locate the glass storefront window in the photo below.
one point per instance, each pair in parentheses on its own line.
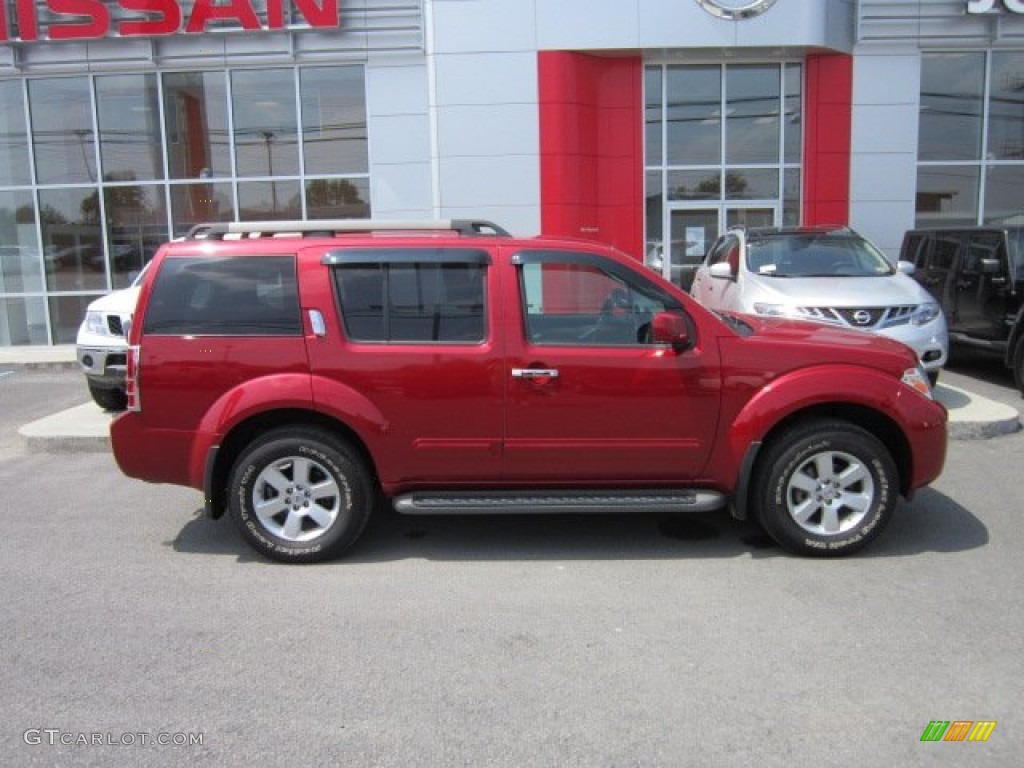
(1003,204)
(334,120)
(947,195)
(652,115)
(22,321)
(21,268)
(337,198)
(791,198)
(14,166)
(266,126)
(193,204)
(196,111)
(262,200)
(128,111)
(792,115)
(693,115)
(1006,107)
(752,126)
(63,138)
(136,226)
(695,185)
(952,96)
(66,313)
(72,239)
(751,184)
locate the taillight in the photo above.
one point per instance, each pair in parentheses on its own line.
(132,379)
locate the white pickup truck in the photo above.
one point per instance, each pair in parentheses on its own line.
(103,347)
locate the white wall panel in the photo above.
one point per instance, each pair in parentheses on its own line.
(475,26)
(493,130)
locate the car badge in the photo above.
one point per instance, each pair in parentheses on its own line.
(862,317)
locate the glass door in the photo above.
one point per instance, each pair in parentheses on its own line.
(692,231)
(751,216)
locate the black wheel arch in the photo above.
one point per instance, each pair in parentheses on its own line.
(222,457)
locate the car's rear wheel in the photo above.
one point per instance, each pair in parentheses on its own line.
(114,399)
(299,495)
(825,488)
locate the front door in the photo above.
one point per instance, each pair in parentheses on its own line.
(982,286)
(591,399)
(692,232)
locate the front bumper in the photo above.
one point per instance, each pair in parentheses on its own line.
(104,366)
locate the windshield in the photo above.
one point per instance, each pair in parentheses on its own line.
(815,254)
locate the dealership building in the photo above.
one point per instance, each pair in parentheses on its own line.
(651,125)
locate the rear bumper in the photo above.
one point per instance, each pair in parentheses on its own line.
(131,443)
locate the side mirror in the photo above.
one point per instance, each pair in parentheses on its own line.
(721,270)
(670,328)
(906,267)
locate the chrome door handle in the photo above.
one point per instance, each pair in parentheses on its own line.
(534,373)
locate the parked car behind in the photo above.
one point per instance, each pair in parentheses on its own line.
(976,274)
(833,276)
(102,345)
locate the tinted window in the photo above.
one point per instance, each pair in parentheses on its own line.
(982,246)
(943,251)
(240,296)
(412,302)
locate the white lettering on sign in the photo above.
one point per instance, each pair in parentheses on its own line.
(987,6)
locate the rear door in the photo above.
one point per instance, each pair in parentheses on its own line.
(407,350)
(591,398)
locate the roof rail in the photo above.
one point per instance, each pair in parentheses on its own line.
(216,230)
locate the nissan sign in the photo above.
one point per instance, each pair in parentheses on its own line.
(90,19)
(735,9)
(986,6)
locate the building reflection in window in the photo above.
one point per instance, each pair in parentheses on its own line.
(128,109)
(196,112)
(72,239)
(136,226)
(266,127)
(63,138)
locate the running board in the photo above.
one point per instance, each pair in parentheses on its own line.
(553,502)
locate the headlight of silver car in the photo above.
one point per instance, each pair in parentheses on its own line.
(925,314)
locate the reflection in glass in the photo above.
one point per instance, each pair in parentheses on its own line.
(20,266)
(193,204)
(751,184)
(947,195)
(337,199)
(66,313)
(23,321)
(752,106)
(13,136)
(129,120)
(259,200)
(793,117)
(951,106)
(195,109)
(1006,107)
(1004,203)
(695,185)
(334,120)
(652,115)
(136,226)
(693,115)
(652,211)
(791,197)
(266,129)
(62,135)
(72,239)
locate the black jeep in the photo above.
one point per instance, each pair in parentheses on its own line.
(977,275)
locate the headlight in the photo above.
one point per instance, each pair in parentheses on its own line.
(925,314)
(94,322)
(916,378)
(773,310)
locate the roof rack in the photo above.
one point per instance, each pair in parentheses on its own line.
(216,230)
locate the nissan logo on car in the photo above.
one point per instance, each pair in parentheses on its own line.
(735,9)
(862,317)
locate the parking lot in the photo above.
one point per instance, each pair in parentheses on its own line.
(569,641)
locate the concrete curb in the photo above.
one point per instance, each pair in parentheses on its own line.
(972,417)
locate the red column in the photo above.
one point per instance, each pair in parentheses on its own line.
(829,110)
(591,141)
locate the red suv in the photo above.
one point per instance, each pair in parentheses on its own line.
(297,372)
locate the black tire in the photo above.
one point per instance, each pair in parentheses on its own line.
(317,495)
(825,488)
(108,399)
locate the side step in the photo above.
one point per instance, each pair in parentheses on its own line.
(552,502)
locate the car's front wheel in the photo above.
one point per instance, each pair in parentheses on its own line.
(298,495)
(825,488)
